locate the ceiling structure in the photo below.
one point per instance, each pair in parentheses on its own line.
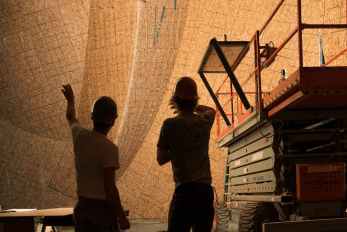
(133,51)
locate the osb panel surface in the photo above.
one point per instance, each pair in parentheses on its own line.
(109,56)
(119,48)
(42,46)
(28,164)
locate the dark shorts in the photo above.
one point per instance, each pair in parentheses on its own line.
(93,215)
(191,207)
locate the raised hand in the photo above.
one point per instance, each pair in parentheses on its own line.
(68,93)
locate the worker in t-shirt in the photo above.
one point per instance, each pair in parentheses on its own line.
(184,141)
(96,159)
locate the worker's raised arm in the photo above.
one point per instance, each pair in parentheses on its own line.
(203,109)
(70,109)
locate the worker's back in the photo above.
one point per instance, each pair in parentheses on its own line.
(93,152)
(187,139)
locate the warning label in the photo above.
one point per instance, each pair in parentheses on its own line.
(257,156)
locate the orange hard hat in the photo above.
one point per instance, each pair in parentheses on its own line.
(104,110)
(186,88)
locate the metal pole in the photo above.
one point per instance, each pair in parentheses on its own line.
(203,78)
(301,62)
(217,118)
(230,73)
(334,58)
(272,15)
(259,72)
(231,103)
(261,30)
(313,26)
(237,102)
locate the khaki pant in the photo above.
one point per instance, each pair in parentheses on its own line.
(94,215)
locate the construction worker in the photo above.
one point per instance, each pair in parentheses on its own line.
(184,141)
(96,160)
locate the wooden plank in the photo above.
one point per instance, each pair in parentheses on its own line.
(320,225)
(40,213)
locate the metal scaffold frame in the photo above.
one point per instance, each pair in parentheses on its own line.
(243,116)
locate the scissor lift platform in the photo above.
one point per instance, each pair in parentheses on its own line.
(307,89)
(287,151)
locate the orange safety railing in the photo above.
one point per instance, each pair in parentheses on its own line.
(259,95)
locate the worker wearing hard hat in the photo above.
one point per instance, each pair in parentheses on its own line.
(184,141)
(96,160)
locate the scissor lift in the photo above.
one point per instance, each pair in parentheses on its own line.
(286,153)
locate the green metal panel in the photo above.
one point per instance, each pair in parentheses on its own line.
(252,168)
(254,178)
(255,135)
(252,158)
(253,147)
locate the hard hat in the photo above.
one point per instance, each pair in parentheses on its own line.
(186,88)
(104,110)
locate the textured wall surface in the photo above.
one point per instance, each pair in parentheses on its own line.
(133,51)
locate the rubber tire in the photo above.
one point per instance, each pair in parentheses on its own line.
(254,215)
(221,217)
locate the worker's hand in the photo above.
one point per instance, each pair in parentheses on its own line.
(172,105)
(124,223)
(68,93)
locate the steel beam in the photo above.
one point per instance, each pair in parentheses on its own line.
(203,78)
(328,26)
(230,73)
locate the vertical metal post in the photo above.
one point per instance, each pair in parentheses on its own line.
(237,105)
(301,63)
(259,72)
(256,58)
(217,118)
(226,181)
(232,102)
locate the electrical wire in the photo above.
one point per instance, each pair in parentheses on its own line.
(259,127)
(216,194)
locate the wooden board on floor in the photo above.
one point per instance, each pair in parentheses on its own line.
(320,225)
(40,213)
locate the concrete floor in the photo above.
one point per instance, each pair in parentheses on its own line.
(136,225)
